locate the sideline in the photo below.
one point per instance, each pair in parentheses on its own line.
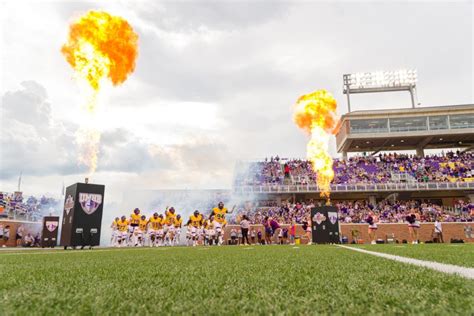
(60,250)
(442,267)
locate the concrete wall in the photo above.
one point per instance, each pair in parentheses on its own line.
(30,227)
(400,231)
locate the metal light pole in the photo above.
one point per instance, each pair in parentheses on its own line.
(380,81)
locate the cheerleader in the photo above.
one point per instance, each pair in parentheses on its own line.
(413,226)
(372,221)
(307,228)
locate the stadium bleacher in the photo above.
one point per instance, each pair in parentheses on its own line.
(14,206)
(382,168)
(357,211)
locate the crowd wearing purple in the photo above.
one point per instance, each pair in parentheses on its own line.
(445,167)
(358,212)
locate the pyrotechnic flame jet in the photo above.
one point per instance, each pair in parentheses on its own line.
(315,113)
(100,46)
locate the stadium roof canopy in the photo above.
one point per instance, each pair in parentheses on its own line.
(450,126)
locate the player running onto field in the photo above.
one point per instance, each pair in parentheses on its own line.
(177,229)
(140,232)
(122,227)
(134,221)
(194,224)
(219,213)
(153,226)
(113,237)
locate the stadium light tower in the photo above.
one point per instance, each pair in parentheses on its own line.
(380,81)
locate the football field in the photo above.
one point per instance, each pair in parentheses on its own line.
(234,280)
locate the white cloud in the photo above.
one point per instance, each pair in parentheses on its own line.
(215,81)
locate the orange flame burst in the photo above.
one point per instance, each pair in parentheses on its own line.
(100,46)
(315,113)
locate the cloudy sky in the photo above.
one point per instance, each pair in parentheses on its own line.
(214,82)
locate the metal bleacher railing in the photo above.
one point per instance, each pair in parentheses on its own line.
(395,186)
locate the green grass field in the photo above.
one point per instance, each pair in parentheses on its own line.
(457,254)
(225,280)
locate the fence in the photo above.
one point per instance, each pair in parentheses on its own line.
(387,187)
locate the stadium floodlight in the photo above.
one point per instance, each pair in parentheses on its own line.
(380,81)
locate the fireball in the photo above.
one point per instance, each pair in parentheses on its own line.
(100,46)
(315,113)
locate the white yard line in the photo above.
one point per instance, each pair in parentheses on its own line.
(442,267)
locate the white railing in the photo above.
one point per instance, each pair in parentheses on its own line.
(417,186)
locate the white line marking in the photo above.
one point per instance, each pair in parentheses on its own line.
(442,267)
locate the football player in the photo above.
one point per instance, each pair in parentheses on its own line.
(170,215)
(219,213)
(141,231)
(194,223)
(211,231)
(134,221)
(219,235)
(122,227)
(177,227)
(154,223)
(170,235)
(160,233)
(113,237)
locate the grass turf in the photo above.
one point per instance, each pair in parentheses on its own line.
(225,280)
(457,254)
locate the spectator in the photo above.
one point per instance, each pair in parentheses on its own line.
(233,237)
(19,235)
(28,240)
(244,227)
(252,236)
(293,232)
(438,231)
(6,235)
(284,239)
(275,226)
(307,229)
(268,230)
(384,168)
(259,237)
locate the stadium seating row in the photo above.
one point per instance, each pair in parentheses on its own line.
(384,168)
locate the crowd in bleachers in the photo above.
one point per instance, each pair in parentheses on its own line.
(358,211)
(14,206)
(382,168)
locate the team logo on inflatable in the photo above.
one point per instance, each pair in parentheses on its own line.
(51,225)
(318,218)
(90,202)
(69,204)
(332,217)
